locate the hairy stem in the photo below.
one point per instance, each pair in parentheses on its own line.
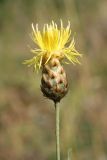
(57,109)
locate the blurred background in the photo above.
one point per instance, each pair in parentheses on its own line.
(27,119)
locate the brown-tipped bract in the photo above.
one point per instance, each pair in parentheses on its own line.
(54,83)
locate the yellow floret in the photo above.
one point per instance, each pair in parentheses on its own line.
(51,42)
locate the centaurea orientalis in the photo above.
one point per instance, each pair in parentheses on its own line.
(53,46)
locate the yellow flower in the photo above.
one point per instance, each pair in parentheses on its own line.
(52,42)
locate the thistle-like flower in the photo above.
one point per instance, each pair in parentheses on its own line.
(53,46)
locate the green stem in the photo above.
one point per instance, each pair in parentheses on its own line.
(57,109)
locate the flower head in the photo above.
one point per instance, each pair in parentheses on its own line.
(52,42)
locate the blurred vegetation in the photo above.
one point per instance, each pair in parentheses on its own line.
(26,117)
